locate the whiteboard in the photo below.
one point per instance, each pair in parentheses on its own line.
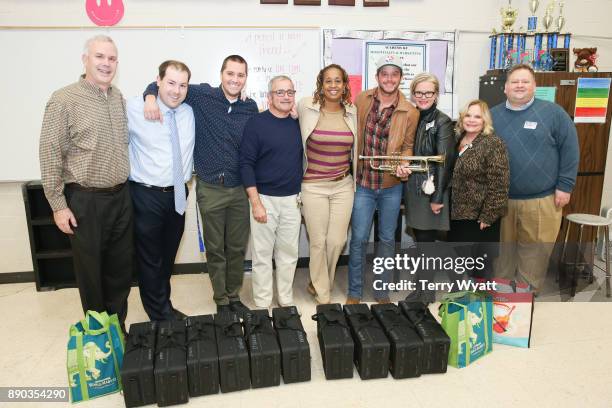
(38,62)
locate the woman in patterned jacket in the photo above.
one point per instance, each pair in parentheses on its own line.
(479,185)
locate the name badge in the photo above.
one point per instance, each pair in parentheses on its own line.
(430,125)
(530,125)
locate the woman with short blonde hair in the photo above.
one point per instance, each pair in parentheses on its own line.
(486,117)
(426,195)
(480,183)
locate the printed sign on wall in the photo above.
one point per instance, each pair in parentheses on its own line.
(592,100)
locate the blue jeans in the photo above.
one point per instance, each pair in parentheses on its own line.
(387,201)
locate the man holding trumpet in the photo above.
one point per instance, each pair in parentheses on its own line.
(386,124)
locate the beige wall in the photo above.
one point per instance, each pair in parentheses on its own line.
(473,19)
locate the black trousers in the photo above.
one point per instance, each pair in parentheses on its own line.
(425,235)
(102,247)
(158,229)
(425,241)
(483,243)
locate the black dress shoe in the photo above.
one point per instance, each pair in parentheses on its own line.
(223,308)
(178,315)
(239,307)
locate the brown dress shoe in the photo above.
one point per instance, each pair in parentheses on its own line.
(352,301)
(310,289)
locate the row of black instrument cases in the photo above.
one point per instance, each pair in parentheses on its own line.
(167,362)
(404,339)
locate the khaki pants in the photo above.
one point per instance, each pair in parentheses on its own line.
(528,234)
(327,209)
(278,237)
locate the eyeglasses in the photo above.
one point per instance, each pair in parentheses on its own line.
(419,94)
(283,92)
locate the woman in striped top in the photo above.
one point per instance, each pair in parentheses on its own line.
(328,123)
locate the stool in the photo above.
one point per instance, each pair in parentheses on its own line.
(588,220)
(607,213)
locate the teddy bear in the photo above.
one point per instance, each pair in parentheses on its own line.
(585,59)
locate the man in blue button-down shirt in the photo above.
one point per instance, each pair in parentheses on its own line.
(220,116)
(158,166)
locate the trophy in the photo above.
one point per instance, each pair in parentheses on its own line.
(560,24)
(506,36)
(509,46)
(532,21)
(508,15)
(560,19)
(548,18)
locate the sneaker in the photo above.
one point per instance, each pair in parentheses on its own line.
(239,307)
(352,301)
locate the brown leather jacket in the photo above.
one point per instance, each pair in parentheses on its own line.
(404,121)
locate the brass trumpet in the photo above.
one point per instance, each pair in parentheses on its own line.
(391,162)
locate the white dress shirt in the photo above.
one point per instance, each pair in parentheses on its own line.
(150,146)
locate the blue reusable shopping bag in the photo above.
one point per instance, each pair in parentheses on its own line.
(95,355)
(467,320)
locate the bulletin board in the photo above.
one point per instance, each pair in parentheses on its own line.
(356,51)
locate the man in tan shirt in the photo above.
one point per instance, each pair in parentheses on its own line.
(84,166)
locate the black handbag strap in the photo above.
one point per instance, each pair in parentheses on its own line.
(232,329)
(396,319)
(417,313)
(255,324)
(421,317)
(168,338)
(290,322)
(138,341)
(330,318)
(196,331)
(364,321)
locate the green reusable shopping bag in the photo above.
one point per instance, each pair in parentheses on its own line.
(95,355)
(467,320)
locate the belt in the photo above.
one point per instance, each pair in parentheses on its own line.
(112,189)
(340,177)
(168,189)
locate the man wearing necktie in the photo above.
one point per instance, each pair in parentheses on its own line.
(220,116)
(161,163)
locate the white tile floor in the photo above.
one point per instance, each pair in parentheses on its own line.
(568,365)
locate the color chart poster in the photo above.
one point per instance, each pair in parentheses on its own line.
(592,100)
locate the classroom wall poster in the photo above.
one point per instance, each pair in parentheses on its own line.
(592,100)
(414,56)
(546,93)
(355,86)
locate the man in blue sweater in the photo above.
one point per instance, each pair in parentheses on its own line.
(271,169)
(543,151)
